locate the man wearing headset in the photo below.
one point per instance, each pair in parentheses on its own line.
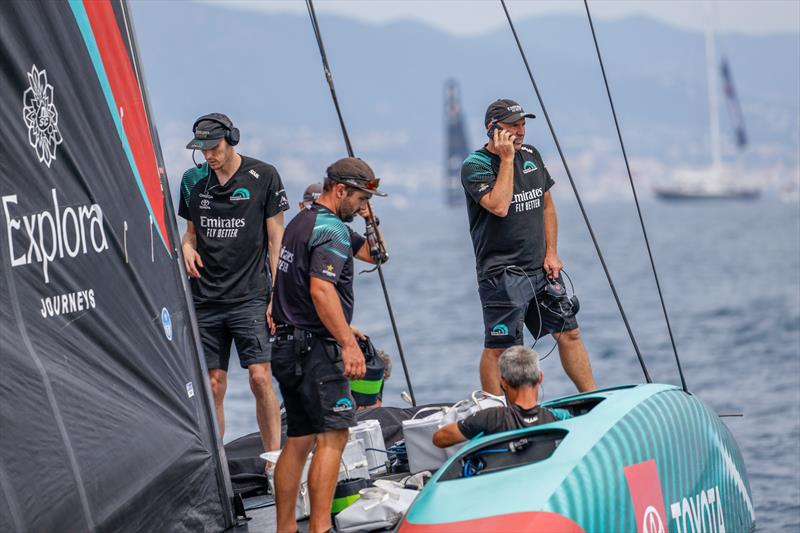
(520,377)
(233,206)
(514,229)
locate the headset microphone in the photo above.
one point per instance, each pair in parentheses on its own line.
(198,165)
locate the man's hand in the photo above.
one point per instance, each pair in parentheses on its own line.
(191,260)
(364,211)
(270,322)
(552,265)
(504,143)
(357,333)
(354,365)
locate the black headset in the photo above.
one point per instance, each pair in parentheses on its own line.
(231,132)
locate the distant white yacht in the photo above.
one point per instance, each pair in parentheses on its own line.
(717,181)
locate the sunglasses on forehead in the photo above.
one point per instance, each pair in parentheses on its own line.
(370,185)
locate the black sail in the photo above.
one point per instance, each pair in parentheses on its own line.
(105,419)
(457,148)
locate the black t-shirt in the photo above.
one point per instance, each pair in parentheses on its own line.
(517,239)
(230,223)
(316,243)
(499,419)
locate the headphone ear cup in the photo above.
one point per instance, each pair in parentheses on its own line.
(233,136)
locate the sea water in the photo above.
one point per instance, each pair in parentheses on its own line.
(730,273)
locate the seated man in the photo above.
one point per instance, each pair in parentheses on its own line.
(520,377)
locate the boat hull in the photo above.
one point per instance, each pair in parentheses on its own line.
(683,196)
(648,458)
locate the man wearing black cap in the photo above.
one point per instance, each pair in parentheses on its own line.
(310,195)
(233,205)
(514,229)
(315,350)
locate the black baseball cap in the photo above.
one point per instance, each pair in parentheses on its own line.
(209,130)
(505,110)
(355,173)
(312,192)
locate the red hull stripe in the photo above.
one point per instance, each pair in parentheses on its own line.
(130,105)
(528,522)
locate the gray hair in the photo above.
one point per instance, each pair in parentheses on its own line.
(519,365)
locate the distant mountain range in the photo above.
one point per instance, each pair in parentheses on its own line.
(265,72)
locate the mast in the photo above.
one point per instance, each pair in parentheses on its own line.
(713,90)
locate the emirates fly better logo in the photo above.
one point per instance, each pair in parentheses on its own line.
(41,116)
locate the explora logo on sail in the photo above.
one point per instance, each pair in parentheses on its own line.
(49,235)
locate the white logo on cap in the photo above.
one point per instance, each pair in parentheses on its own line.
(41,116)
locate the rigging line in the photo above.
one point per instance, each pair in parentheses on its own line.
(635,197)
(318,35)
(578,198)
(328,75)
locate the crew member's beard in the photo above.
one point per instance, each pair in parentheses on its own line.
(346,213)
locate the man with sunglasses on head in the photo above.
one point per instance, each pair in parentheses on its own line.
(514,229)
(233,206)
(315,350)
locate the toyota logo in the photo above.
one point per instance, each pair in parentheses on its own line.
(652,523)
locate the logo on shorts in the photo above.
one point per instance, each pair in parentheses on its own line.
(240,194)
(528,166)
(499,330)
(343,404)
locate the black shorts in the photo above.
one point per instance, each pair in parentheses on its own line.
(243,323)
(511,299)
(315,391)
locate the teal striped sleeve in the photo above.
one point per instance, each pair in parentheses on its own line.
(329,247)
(190,178)
(477,175)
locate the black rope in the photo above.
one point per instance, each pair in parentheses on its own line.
(577,197)
(315,24)
(635,197)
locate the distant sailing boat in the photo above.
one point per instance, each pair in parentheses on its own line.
(717,181)
(457,148)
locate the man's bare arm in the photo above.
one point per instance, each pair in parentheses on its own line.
(448,435)
(191,258)
(498,200)
(552,263)
(274,236)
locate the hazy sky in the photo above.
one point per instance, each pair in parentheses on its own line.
(468,17)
